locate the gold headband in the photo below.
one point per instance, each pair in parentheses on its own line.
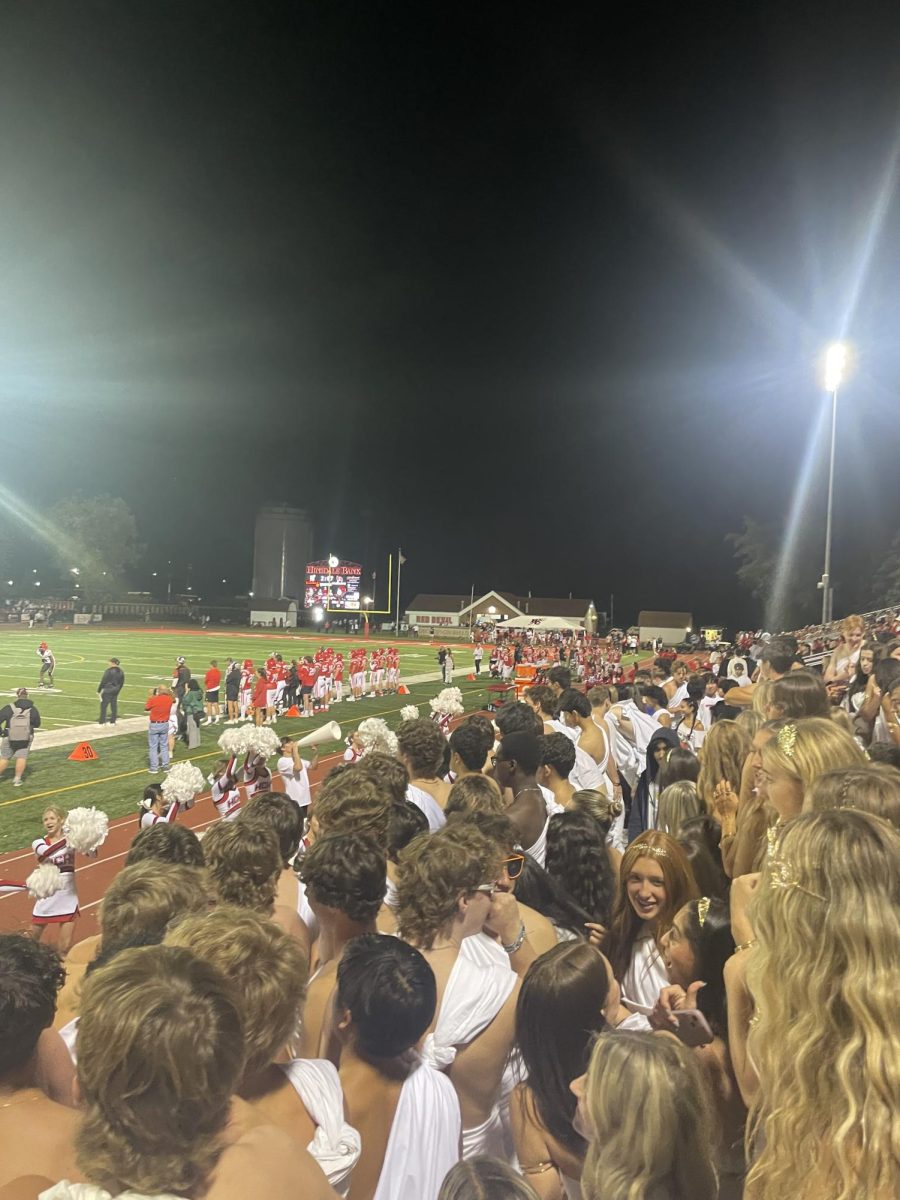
(786,739)
(702,909)
(783,875)
(656,851)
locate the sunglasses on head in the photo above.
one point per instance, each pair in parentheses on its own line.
(487,889)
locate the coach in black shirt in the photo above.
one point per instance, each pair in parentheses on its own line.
(110,685)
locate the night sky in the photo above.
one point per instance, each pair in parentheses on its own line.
(537,294)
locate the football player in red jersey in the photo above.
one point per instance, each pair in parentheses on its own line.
(308,674)
(248,675)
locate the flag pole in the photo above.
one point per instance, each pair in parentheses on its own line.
(399,565)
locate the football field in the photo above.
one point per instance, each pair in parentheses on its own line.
(148,657)
(115,779)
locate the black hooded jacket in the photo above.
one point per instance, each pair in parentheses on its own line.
(637,818)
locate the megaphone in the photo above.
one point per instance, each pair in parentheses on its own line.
(329,732)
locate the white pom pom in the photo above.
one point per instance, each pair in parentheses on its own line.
(44,881)
(448,703)
(409,712)
(232,740)
(376,737)
(183,783)
(262,740)
(246,739)
(85,829)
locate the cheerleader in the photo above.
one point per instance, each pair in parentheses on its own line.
(355,748)
(225,794)
(154,807)
(62,907)
(257,776)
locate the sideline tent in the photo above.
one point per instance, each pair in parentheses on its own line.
(543,623)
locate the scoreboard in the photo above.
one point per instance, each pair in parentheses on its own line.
(333,583)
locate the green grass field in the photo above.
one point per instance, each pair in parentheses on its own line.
(115,780)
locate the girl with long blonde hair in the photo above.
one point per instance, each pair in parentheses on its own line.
(802,751)
(874,788)
(644,1108)
(722,756)
(61,909)
(826,984)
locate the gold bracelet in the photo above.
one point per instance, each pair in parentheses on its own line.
(746,945)
(538,1168)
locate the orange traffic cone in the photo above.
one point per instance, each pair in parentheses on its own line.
(293,711)
(470,678)
(402,690)
(83,752)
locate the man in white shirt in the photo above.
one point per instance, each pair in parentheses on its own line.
(294,771)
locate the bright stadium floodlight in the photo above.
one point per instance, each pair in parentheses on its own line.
(835,368)
(10,582)
(37,583)
(835,365)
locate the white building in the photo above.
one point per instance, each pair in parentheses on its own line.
(452,611)
(274,613)
(672,627)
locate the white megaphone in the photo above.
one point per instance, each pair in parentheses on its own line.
(329,732)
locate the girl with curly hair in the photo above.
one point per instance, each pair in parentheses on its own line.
(825,983)
(577,859)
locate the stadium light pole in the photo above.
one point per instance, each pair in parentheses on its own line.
(835,365)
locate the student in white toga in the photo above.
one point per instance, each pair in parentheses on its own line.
(446,894)
(268,971)
(406,1112)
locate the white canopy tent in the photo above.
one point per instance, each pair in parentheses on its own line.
(541,623)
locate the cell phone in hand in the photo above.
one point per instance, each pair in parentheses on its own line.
(693,1028)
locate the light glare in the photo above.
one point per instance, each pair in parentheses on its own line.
(835,364)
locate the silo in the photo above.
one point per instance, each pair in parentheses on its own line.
(282,546)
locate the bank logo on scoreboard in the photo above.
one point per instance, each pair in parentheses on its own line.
(333,583)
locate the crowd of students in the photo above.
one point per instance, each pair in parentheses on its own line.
(636,944)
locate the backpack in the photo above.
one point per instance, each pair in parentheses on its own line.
(19,728)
